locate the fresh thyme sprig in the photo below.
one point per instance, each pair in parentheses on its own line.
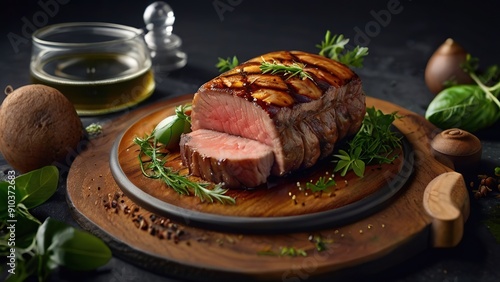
(322,184)
(287,70)
(227,64)
(152,161)
(374,143)
(334,47)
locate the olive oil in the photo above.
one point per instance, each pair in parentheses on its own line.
(97,83)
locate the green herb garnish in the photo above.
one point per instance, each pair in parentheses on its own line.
(471,66)
(93,129)
(287,70)
(319,242)
(334,47)
(152,161)
(292,252)
(227,64)
(284,251)
(374,143)
(37,248)
(322,184)
(470,107)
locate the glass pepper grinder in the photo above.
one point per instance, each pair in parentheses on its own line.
(163,44)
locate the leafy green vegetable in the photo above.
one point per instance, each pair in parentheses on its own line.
(287,70)
(151,159)
(38,186)
(374,143)
(490,76)
(30,190)
(481,80)
(334,47)
(168,132)
(350,161)
(40,248)
(321,185)
(462,106)
(469,107)
(227,64)
(64,245)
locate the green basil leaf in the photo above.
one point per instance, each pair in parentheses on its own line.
(75,249)
(463,106)
(43,238)
(79,250)
(37,186)
(46,233)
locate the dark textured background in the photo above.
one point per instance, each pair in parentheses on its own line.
(399,50)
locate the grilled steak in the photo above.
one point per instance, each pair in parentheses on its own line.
(299,119)
(220,157)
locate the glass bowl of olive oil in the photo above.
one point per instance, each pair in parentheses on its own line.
(100,67)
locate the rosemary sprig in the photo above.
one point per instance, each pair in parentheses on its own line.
(374,143)
(227,64)
(152,162)
(334,47)
(287,70)
(321,185)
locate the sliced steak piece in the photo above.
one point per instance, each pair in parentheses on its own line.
(300,119)
(223,158)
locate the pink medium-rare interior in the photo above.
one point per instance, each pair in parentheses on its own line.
(225,146)
(228,158)
(237,116)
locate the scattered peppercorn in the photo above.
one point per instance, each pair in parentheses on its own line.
(487,184)
(157,226)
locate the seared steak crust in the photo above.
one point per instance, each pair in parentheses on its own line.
(300,119)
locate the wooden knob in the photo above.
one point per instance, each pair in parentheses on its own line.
(457,149)
(446,200)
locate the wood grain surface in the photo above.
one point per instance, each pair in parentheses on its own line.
(400,230)
(283,204)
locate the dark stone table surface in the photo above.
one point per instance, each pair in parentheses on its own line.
(401,36)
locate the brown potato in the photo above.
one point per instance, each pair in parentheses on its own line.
(38,126)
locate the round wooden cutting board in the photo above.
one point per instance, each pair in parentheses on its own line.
(417,203)
(282,205)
